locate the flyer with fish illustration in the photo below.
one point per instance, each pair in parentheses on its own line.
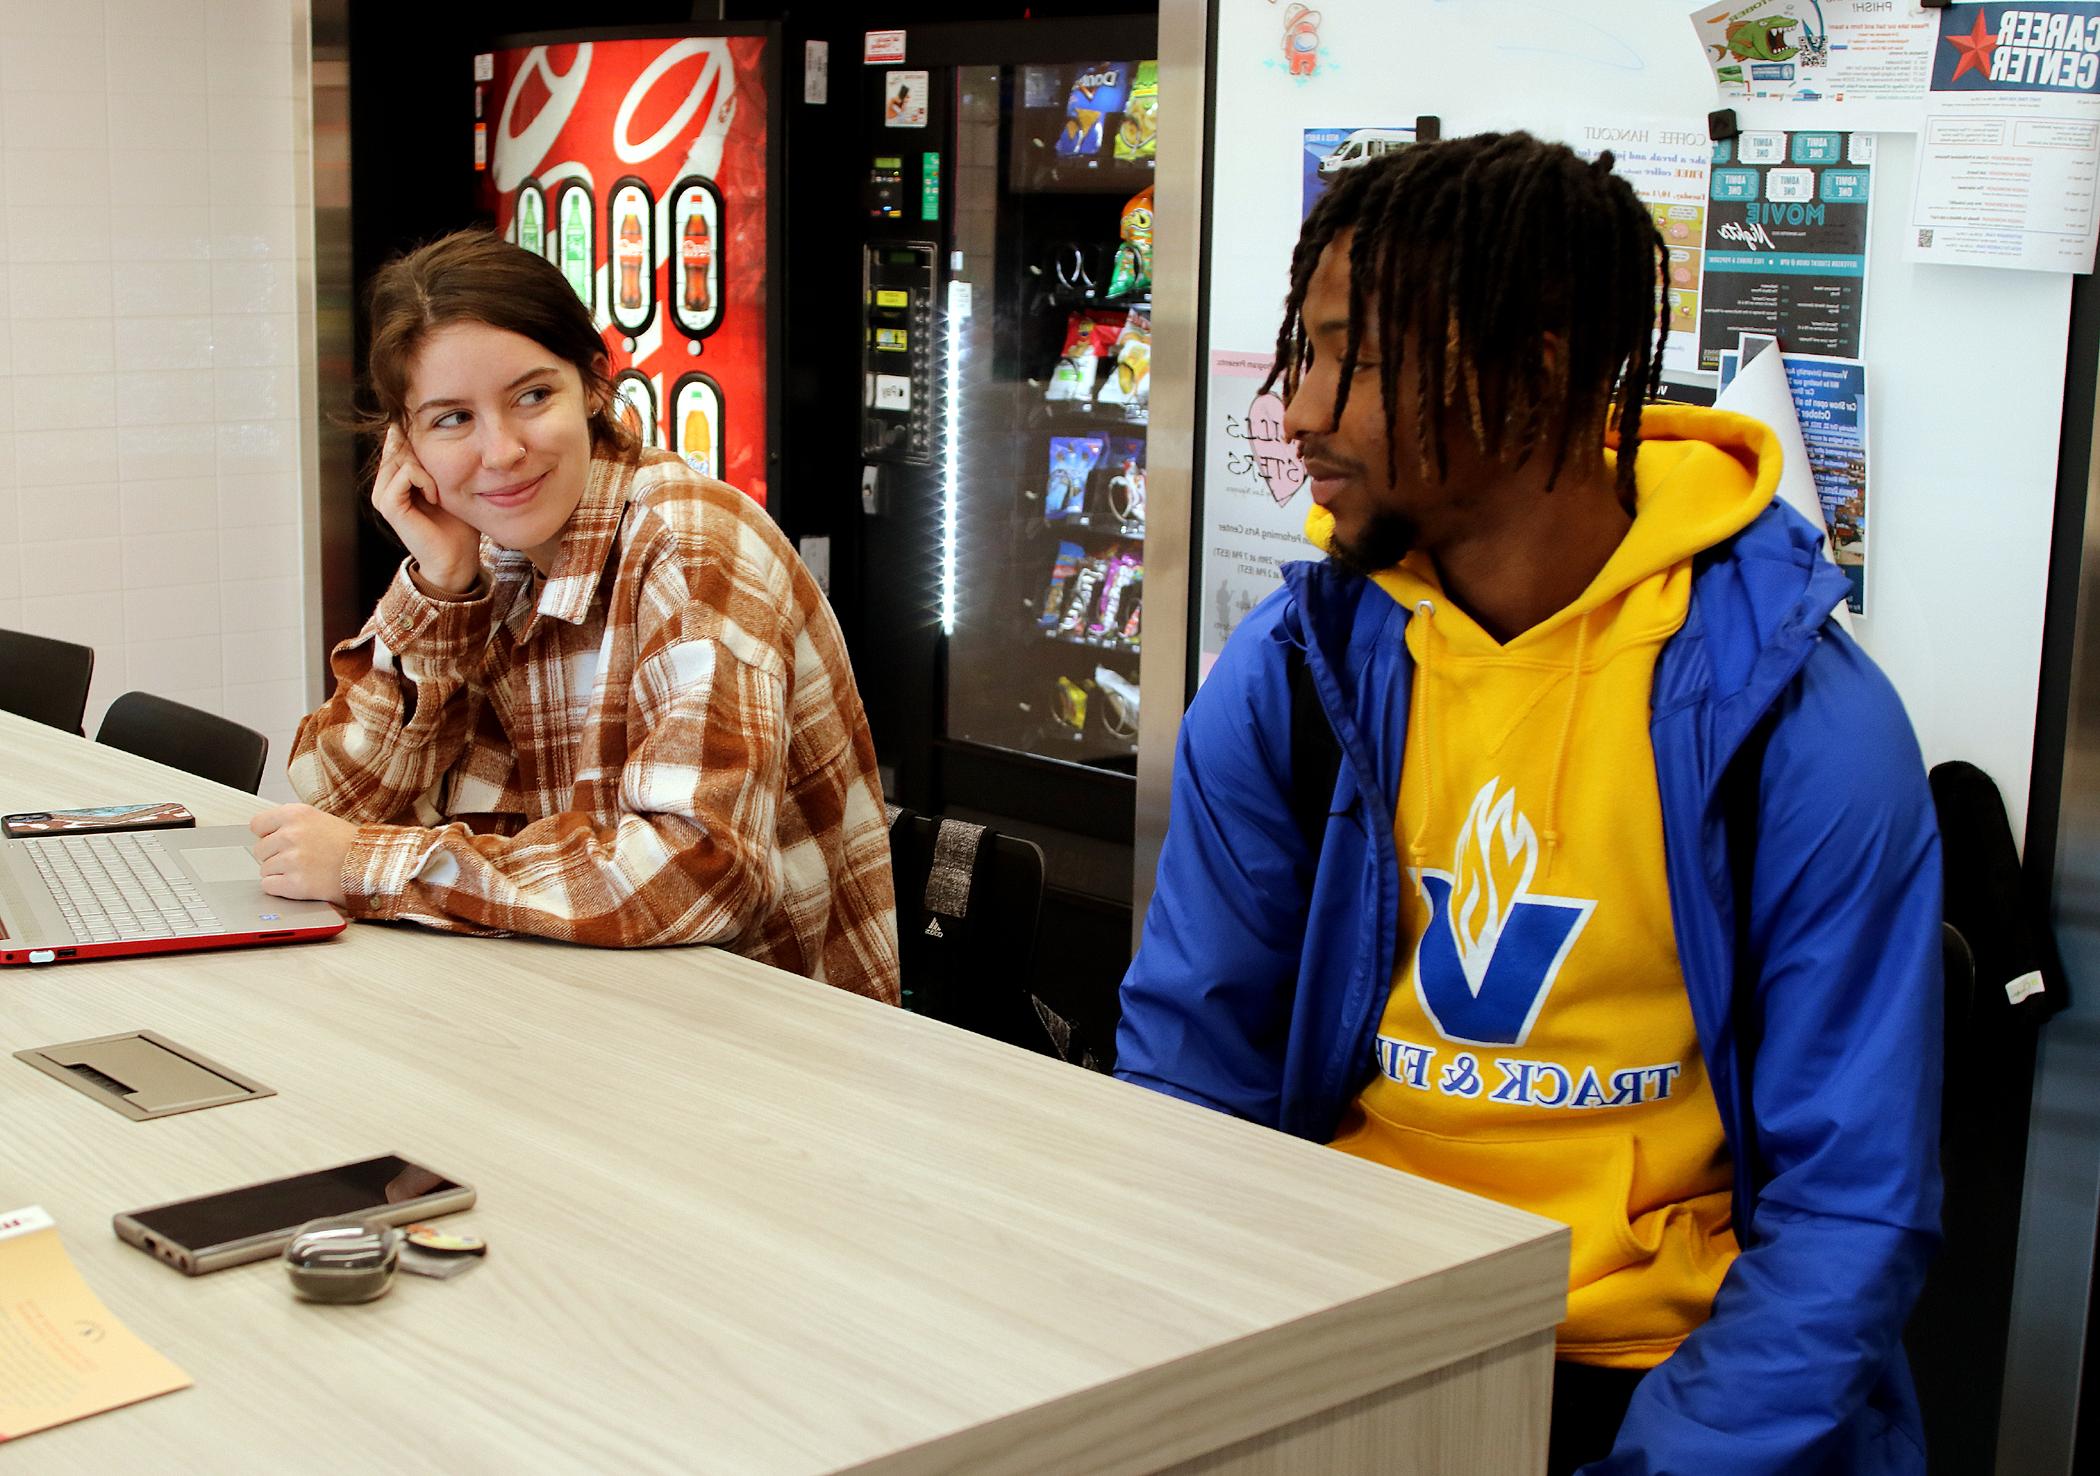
(1859,64)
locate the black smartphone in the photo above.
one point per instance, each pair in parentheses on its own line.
(257,1221)
(31,824)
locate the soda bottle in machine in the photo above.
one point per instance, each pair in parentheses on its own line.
(630,253)
(697,252)
(529,223)
(696,441)
(576,241)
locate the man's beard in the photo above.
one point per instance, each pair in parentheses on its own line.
(1384,541)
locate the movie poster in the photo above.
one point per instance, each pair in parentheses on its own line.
(1786,243)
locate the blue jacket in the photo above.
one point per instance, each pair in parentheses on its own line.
(1819,1018)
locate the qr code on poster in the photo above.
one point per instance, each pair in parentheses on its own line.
(1815,51)
(1925,236)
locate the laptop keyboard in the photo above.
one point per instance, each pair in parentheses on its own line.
(121,886)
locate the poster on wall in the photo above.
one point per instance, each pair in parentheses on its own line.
(1858,64)
(1786,242)
(1329,152)
(1831,398)
(640,166)
(1254,499)
(1830,407)
(2009,162)
(904,97)
(1667,164)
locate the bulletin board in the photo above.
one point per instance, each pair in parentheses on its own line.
(1966,364)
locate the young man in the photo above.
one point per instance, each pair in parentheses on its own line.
(1625,906)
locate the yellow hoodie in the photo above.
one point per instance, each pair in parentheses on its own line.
(1538,1047)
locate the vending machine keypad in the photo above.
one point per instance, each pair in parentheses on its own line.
(897,359)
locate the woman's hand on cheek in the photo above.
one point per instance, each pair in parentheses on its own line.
(446,549)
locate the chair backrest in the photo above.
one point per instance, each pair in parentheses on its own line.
(968,901)
(45,679)
(1989,940)
(187,738)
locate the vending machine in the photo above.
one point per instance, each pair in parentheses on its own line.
(1005,210)
(642,165)
(1006,362)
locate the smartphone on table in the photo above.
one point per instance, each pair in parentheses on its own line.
(258,1221)
(160,815)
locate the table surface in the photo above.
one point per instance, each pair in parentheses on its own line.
(737,1221)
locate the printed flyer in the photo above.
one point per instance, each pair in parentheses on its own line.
(2009,162)
(1254,500)
(1667,165)
(1830,406)
(63,1354)
(1786,243)
(1329,151)
(1857,64)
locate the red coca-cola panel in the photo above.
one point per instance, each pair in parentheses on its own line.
(685,119)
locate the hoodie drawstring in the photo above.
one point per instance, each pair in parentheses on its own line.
(1415,854)
(1551,834)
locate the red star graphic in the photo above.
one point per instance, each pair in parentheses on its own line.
(1975,49)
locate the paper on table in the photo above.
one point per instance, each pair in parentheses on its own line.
(62,1355)
(1761,391)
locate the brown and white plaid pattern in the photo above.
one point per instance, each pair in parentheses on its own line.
(660,744)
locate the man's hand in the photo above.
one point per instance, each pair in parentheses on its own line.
(301,851)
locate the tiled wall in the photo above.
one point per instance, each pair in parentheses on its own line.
(155,222)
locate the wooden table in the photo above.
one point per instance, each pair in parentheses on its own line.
(739,1222)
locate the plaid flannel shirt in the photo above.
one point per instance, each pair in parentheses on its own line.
(659,743)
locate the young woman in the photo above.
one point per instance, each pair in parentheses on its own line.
(602,700)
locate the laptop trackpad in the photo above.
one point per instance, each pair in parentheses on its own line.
(223,864)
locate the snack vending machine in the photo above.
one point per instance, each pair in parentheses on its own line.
(1005,354)
(641,165)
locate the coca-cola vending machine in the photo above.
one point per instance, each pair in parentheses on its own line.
(639,163)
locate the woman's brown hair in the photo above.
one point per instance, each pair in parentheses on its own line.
(476,276)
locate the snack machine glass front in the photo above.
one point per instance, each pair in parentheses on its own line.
(1045,351)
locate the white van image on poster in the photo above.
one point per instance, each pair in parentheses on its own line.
(1364,145)
(1333,151)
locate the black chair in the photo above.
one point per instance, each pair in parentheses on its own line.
(1991,937)
(187,738)
(45,679)
(968,901)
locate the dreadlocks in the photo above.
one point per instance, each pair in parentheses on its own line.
(1473,251)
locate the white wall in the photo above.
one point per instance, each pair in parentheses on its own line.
(155,223)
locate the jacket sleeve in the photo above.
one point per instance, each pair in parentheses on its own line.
(1207,1000)
(690,856)
(403,707)
(1800,1368)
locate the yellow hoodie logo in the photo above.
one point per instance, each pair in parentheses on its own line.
(1491,952)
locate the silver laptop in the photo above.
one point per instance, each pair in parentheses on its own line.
(113,893)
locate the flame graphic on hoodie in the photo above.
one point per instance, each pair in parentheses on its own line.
(1491,867)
